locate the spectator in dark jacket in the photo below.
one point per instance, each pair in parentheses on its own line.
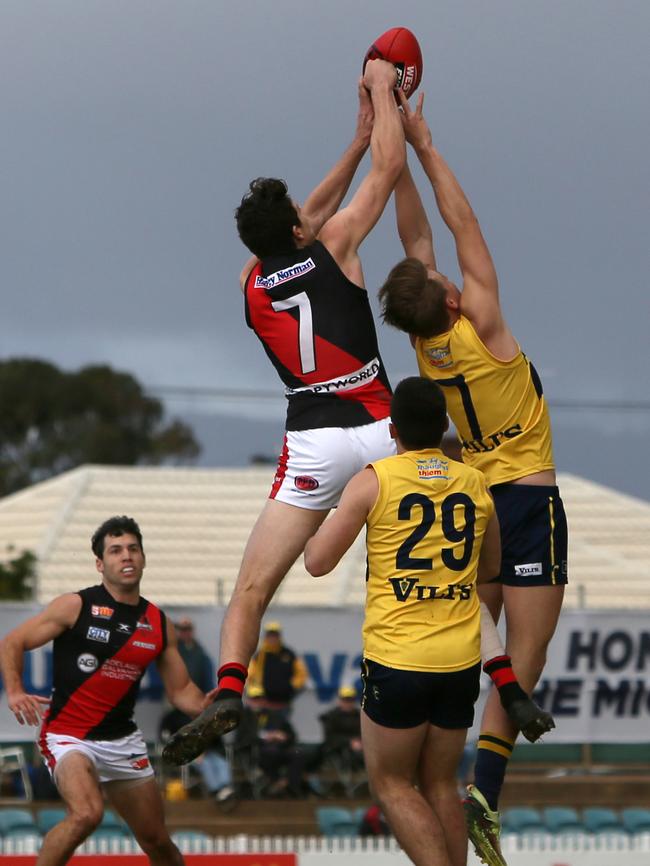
(342,728)
(279,756)
(277,670)
(213,766)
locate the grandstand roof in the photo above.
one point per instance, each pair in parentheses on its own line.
(195,523)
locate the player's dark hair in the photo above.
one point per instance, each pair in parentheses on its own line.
(414,302)
(266,217)
(418,411)
(114,527)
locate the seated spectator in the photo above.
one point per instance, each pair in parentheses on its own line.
(277,670)
(279,757)
(373,823)
(342,729)
(43,788)
(212,765)
(198,663)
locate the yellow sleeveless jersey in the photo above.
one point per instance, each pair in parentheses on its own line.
(424,536)
(498,407)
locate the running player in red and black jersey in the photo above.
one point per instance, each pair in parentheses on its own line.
(104,639)
(305,299)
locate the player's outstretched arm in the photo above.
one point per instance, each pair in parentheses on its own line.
(344,232)
(179,688)
(59,615)
(480,299)
(324,201)
(413,225)
(337,534)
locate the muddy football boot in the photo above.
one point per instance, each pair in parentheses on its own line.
(483,828)
(191,740)
(531,720)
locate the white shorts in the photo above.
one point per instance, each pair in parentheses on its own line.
(123,760)
(315,465)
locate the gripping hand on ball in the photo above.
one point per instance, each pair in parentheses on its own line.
(365,117)
(380,73)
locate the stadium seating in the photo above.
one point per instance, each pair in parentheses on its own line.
(522,819)
(23,833)
(636,820)
(111,821)
(597,820)
(191,835)
(216,509)
(562,819)
(193,841)
(110,833)
(16,819)
(335,821)
(48,818)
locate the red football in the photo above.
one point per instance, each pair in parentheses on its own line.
(401,48)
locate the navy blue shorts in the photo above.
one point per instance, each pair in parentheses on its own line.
(533,535)
(404,699)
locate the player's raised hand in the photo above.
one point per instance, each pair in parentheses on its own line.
(379,73)
(366,115)
(28,709)
(416,129)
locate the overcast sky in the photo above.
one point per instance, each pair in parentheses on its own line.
(131,129)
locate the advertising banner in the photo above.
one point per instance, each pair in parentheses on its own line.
(596,681)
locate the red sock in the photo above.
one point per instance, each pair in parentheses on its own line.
(231,679)
(502,675)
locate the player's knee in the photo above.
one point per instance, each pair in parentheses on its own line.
(86,818)
(386,790)
(156,842)
(440,790)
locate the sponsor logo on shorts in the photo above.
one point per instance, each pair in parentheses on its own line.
(101,611)
(102,635)
(285,275)
(144,645)
(348,382)
(305,483)
(529,569)
(440,358)
(87,662)
(433,467)
(124,628)
(140,763)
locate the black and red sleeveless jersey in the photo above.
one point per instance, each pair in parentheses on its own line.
(316,326)
(98,665)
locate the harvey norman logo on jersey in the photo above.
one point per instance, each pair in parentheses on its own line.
(285,275)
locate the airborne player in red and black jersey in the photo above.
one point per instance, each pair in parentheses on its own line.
(104,639)
(305,300)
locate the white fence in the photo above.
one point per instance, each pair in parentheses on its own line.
(579,849)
